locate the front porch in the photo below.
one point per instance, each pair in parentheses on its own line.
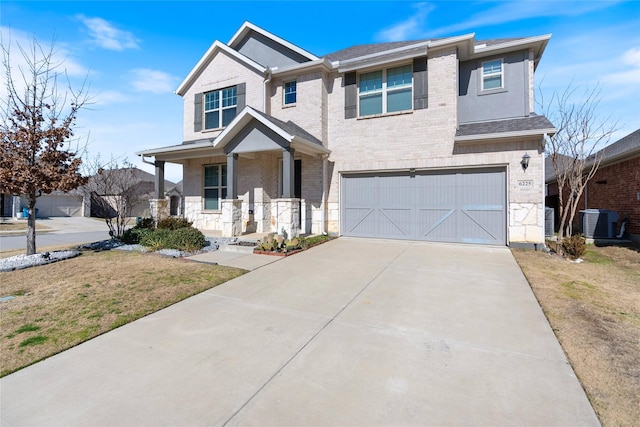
(260,175)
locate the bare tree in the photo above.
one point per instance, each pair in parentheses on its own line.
(37,130)
(114,190)
(573,150)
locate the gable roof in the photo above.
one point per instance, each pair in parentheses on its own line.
(296,136)
(207,57)
(248,27)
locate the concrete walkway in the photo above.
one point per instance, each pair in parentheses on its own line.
(353,332)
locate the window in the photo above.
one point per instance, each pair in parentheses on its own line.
(386,91)
(290,93)
(215,186)
(492,74)
(220,107)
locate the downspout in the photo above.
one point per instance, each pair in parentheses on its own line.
(267,79)
(323,229)
(544,192)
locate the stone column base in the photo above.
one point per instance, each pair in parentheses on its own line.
(231,218)
(159,209)
(287,215)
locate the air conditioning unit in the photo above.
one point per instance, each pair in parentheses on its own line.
(549,218)
(599,223)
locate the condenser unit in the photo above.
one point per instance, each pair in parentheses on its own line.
(599,223)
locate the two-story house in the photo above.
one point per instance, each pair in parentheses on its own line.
(433,140)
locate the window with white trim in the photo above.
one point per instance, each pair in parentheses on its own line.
(492,75)
(386,91)
(215,186)
(220,107)
(290,92)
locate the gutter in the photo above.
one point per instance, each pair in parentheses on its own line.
(502,135)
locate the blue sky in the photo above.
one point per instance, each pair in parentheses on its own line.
(135,54)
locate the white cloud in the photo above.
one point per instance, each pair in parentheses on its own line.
(632,57)
(154,81)
(627,69)
(416,26)
(410,28)
(107,36)
(110,97)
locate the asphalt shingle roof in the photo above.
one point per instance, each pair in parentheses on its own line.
(533,122)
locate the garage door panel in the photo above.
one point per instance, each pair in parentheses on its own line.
(481,226)
(360,221)
(56,206)
(395,223)
(436,224)
(444,206)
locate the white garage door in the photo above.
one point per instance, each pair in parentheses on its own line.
(467,206)
(67,205)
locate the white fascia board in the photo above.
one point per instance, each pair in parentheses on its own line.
(173,148)
(503,135)
(308,147)
(319,63)
(248,26)
(513,44)
(213,49)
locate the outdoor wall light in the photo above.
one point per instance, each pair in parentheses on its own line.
(525,161)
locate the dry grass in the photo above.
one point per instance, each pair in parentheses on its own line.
(60,305)
(594,310)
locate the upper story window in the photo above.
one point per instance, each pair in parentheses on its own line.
(220,107)
(492,75)
(290,92)
(386,91)
(215,186)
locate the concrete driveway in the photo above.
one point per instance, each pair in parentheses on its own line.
(353,332)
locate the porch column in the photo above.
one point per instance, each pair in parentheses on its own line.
(232,176)
(159,184)
(288,173)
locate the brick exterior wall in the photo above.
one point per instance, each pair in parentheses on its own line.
(223,71)
(620,193)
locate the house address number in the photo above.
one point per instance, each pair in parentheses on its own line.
(525,184)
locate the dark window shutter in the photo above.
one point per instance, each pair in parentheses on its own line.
(350,95)
(241,94)
(420,84)
(197,112)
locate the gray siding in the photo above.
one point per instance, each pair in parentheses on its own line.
(268,53)
(509,102)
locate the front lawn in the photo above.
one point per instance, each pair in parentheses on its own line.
(594,310)
(60,305)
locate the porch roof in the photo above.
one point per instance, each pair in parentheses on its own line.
(295,136)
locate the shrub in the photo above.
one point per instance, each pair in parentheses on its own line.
(307,242)
(174,223)
(156,239)
(134,235)
(183,239)
(574,246)
(188,239)
(147,223)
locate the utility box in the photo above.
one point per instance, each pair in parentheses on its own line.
(599,223)
(549,221)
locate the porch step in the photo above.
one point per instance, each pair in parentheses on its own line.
(235,247)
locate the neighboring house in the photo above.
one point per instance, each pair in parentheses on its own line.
(615,186)
(419,140)
(139,183)
(79,202)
